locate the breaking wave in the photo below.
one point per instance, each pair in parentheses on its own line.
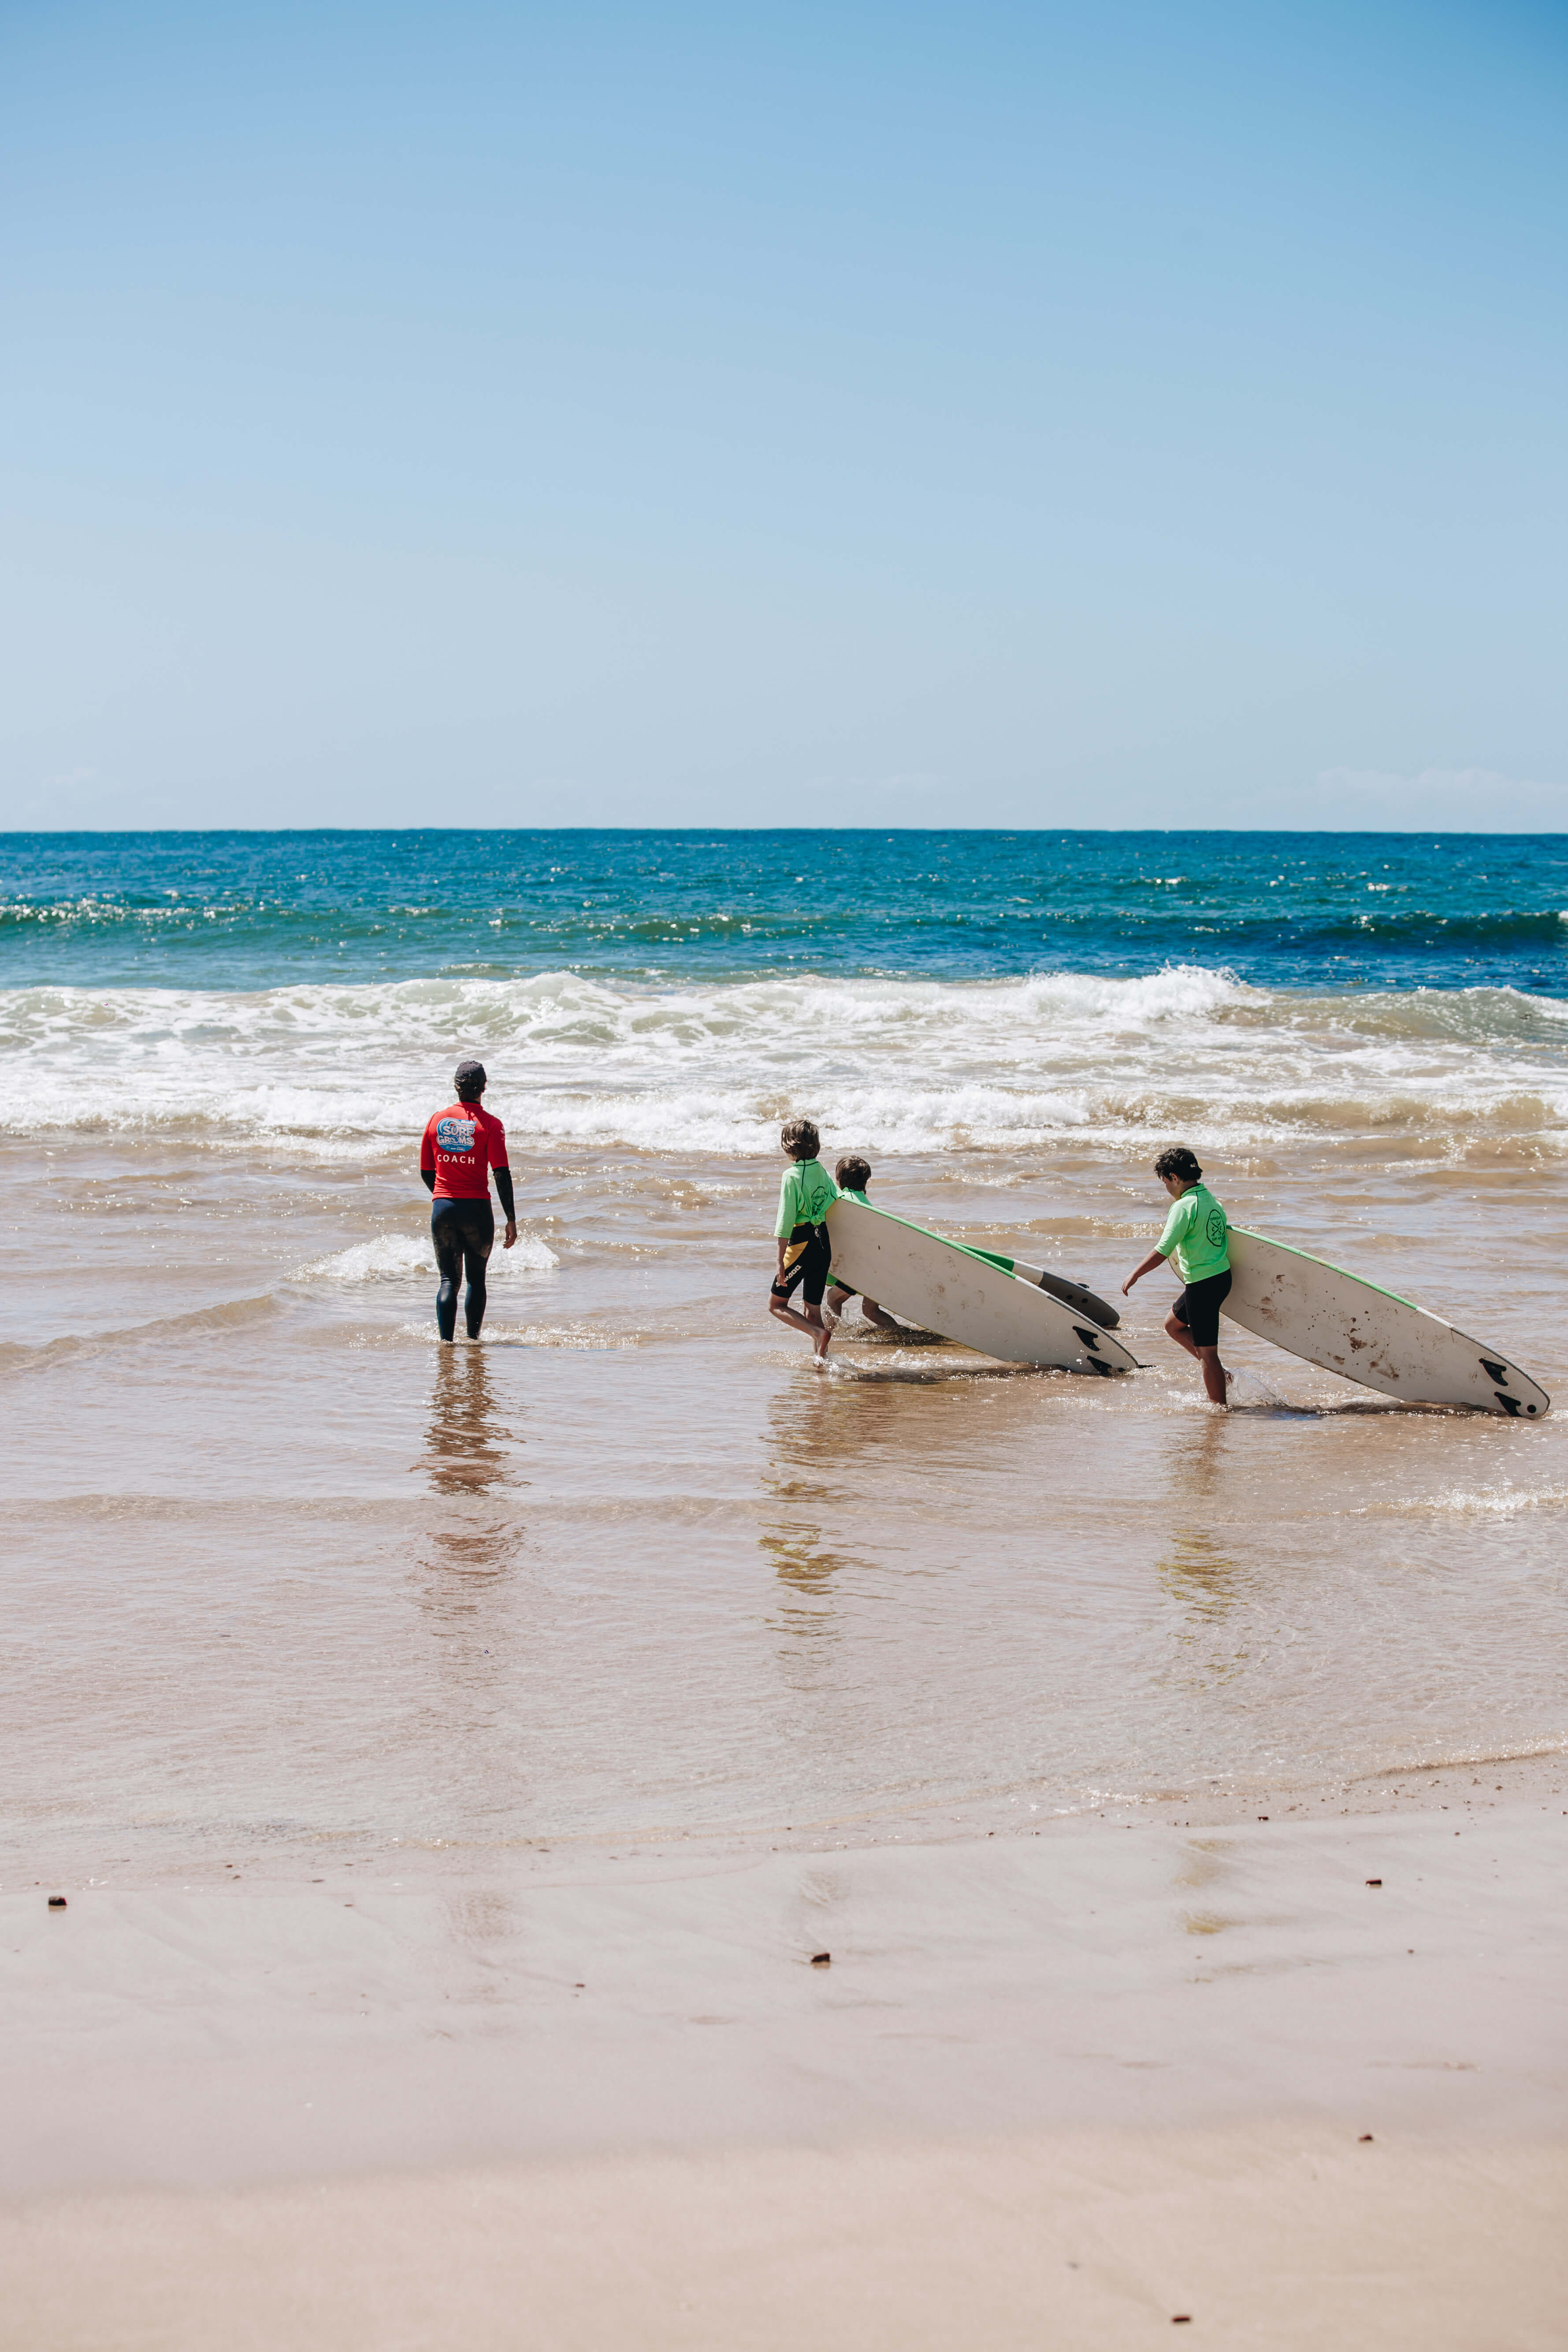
(580,1064)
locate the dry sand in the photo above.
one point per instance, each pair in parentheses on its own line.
(1263,2236)
(1051,2089)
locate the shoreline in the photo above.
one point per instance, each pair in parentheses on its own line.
(1474,1785)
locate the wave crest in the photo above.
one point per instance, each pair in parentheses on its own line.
(351,1073)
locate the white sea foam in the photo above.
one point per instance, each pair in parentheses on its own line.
(1494,1502)
(894,1065)
(390,1257)
(395,1258)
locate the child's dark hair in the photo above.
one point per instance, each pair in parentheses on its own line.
(853,1173)
(800,1139)
(1177,1161)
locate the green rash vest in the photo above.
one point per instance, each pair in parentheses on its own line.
(806,1192)
(1195,1235)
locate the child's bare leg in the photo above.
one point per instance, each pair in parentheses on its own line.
(811,1323)
(837,1301)
(1177,1330)
(879,1315)
(1215,1377)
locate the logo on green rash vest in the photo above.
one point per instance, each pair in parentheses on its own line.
(1215,1227)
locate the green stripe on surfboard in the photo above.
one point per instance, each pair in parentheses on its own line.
(986,1258)
(1330,1267)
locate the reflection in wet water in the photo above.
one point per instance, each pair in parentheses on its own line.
(825,1441)
(1199,1569)
(1200,1573)
(803,1563)
(823,1444)
(463,1591)
(466,1455)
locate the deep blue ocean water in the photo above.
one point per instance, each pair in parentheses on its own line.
(1290,911)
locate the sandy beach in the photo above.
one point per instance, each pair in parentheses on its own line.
(1281,2078)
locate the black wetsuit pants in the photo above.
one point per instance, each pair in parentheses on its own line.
(463,1232)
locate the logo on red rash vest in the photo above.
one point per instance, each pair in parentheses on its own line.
(455,1134)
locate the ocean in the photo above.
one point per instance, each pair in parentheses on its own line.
(286,1576)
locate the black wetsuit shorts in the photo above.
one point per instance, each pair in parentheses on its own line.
(1198,1307)
(807,1256)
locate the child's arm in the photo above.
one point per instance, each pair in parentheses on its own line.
(1155,1257)
(1176,1224)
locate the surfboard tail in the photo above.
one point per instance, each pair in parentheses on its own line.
(1076,1294)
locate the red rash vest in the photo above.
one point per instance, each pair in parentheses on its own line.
(462,1144)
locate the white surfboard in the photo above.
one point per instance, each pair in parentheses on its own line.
(1076,1294)
(942,1286)
(1330,1317)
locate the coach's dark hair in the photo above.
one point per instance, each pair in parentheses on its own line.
(1177,1161)
(854,1173)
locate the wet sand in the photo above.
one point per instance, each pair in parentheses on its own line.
(1052,2086)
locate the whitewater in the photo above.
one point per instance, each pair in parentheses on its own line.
(902,1065)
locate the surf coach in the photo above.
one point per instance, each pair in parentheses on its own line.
(463,1145)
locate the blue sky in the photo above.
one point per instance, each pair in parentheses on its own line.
(869,415)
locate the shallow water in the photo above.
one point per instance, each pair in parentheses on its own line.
(283,1570)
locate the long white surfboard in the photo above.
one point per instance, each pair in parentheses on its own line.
(1076,1294)
(1330,1317)
(942,1286)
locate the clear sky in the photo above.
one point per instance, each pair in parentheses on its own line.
(1005,415)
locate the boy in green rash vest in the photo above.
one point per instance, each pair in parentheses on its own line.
(852,1175)
(1196,1235)
(805,1194)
